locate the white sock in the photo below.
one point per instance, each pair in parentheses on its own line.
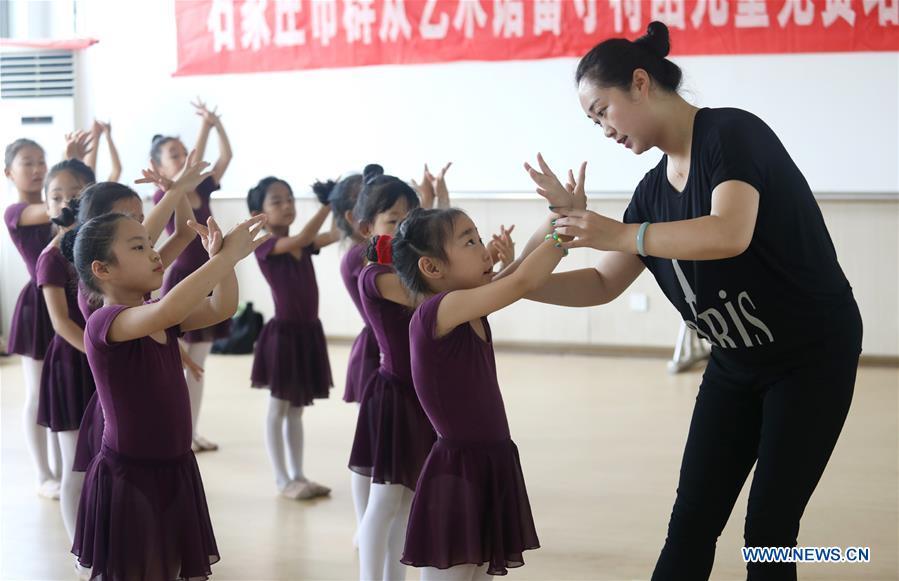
(35,434)
(274,439)
(384,502)
(198,352)
(393,568)
(72,482)
(293,440)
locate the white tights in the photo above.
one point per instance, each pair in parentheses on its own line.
(284,441)
(36,435)
(198,352)
(72,482)
(382,533)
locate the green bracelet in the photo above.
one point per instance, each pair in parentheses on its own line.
(641,234)
(558,242)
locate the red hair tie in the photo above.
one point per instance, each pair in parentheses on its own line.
(384,249)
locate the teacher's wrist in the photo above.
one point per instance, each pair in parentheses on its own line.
(626,238)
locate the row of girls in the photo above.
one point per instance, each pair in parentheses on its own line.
(435,476)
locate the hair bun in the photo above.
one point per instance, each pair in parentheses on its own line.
(657,39)
(371,172)
(69,214)
(323,191)
(67,244)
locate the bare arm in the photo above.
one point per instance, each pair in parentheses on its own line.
(391,289)
(58,307)
(306,236)
(175,244)
(178,305)
(225,153)
(34,215)
(116,171)
(725,233)
(467,305)
(588,287)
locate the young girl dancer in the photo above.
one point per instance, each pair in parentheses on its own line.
(393,435)
(31,330)
(471,517)
(110,197)
(291,355)
(168,156)
(143,511)
(66,381)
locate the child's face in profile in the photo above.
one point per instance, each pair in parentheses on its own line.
(468,261)
(136,266)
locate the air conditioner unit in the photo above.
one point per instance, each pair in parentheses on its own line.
(37,101)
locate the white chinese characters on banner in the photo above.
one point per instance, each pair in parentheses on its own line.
(547,17)
(358,18)
(801,12)
(394,21)
(286,31)
(835,9)
(220,23)
(717,11)
(469,13)
(324,20)
(887,11)
(255,32)
(508,18)
(433,30)
(751,14)
(671,12)
(629,11)
(586,11)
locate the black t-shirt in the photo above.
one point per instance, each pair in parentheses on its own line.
(779,295)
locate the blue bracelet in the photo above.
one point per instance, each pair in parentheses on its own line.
(641,234)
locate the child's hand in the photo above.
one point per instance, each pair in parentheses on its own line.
(439,183)
(210,235)
(192,174)
(151,176)
(502,248)
(191,366)
(549,186)
(425,187)
(78,145)
(106,127)
(244,238)
(97,128)
(210,118)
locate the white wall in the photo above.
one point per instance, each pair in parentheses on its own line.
(836,113)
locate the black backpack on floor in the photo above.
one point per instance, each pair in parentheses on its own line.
(245,327)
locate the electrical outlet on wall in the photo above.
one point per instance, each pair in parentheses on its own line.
(639,302)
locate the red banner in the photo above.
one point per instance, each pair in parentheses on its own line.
(242,36)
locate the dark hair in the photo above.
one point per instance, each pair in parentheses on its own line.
(322,190)
(13,149)
(69,214)
(256,195)
(422,233)
(342,199)
(158,142)
(78,168)
(96,200)
(380,192)
(94,242)
(99,199)
(612,62)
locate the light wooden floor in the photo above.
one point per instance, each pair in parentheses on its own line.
(600,440)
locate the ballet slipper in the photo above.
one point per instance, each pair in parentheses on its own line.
(49,489)
(203,445)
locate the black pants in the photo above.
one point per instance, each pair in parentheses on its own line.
(786,419)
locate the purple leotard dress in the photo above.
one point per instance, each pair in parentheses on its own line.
(364,355)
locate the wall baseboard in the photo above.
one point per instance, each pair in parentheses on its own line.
(645,352)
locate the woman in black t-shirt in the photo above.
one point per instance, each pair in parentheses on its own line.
(728,226)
